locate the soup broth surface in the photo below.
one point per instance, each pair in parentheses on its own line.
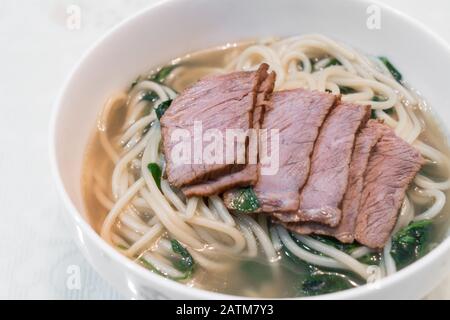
(255,277)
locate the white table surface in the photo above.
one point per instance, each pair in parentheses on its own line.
(37,51)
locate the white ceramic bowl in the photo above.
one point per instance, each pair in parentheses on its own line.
(173,28)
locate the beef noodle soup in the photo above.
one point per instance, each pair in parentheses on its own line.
(202,243)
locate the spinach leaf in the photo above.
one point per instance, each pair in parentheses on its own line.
(150,96)
(411,243)
(333,62)
(322,280)
(346,90)
(371,259)
(149,266)
(311,60)
(345,247)
(186,262)
(155,170)
(162,74)
(382,99)
(244,200)
(378,99)
(163,106)
(299,263)
(323,283)
(395,73)
(373,114)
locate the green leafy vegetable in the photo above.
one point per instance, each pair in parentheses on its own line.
(372,258)
(244,200)
(149,266)
(321,280)
(333,62)
(297,263)
(346,90)
(373,114)
(121,247)
(345,247)
(160,109)
(389,111)
(150,96)
(163,106)
(382,99)
(395,73)
(323,283)
(301,66)
(156,172)
(411,243)
(305,247)
(162,74)
(186,262)
(378,99)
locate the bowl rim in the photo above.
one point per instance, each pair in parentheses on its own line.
(156,280)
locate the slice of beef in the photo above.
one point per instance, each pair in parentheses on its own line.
(345,231)
(322,194)
(392,166)
(217,102)
(297,115)
(245,177)
(249,174)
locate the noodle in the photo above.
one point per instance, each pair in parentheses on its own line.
(143,217)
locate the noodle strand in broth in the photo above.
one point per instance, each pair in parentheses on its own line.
(143,216)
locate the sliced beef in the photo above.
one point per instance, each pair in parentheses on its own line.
(245,177)
(249,174)
(297,115)
(217,102)
(286,217)
(322,194)
(344,232)
(392,166)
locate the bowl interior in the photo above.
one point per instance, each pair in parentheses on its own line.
(174,28)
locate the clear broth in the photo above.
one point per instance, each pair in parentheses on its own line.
(255,277)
